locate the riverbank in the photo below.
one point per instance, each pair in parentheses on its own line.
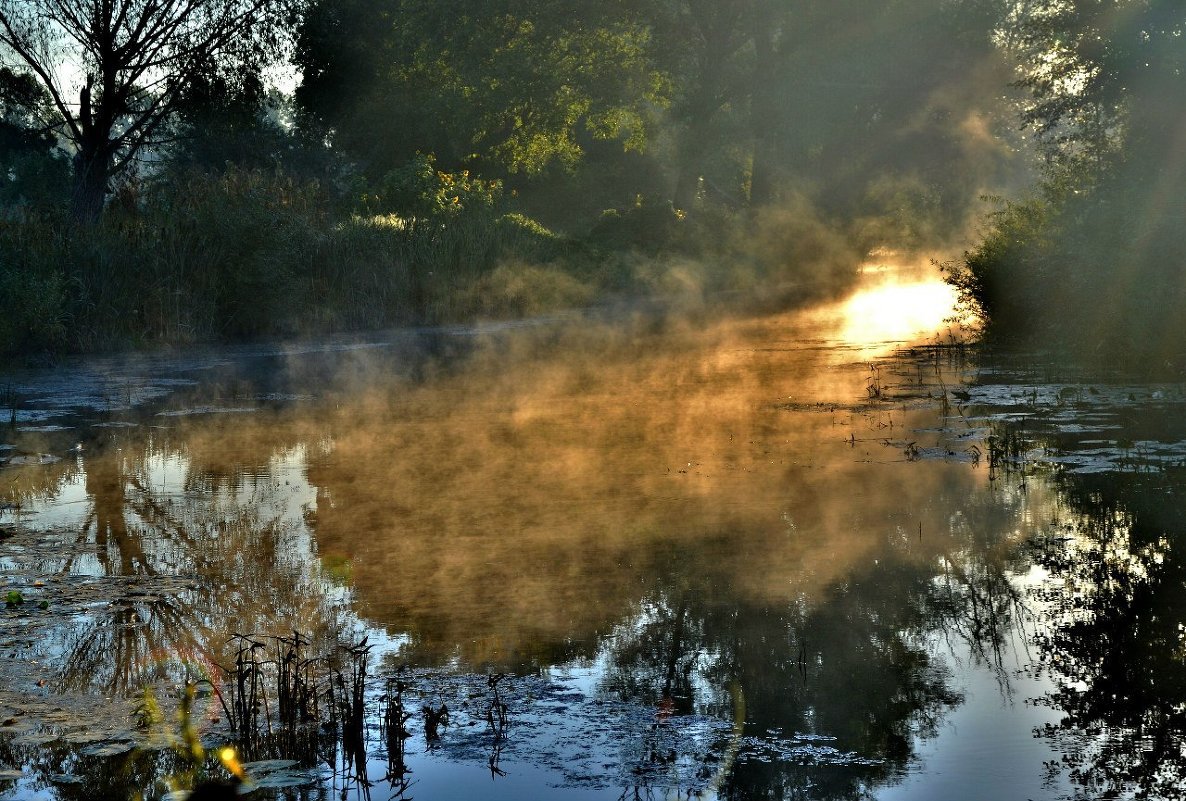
(251,255)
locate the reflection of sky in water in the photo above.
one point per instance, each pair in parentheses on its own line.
(986,749)
(69,507)
(686,523)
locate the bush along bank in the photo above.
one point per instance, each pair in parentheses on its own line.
(250,254)
(1089,269)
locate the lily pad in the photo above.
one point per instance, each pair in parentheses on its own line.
(268,765)
(65,778)
(33,459)
(106,749)
(284,778)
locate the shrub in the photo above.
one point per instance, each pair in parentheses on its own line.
(419,191)
(1006,280)
(518,289)
(649,226)
(33,308)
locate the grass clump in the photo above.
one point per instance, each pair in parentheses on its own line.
(248,254)
(199,256)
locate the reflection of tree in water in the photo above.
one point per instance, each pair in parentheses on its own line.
(22,484)
(853,664)
(1118,647)
(106,777)
(188,562)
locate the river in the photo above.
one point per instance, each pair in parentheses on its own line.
(829,553)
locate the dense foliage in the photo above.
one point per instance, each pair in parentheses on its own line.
(1093,264)
(438,160)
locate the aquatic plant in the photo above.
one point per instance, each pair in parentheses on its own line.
(247,690)
(296,682)
(9,400)
(873,383)
(395,732)
(496,712)
(350,697)
(196,775)
(1005,447)
(434,718)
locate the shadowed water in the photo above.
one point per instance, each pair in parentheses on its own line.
(776,557)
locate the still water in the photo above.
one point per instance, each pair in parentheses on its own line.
(775,557)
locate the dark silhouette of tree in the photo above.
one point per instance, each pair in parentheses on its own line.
(116,70)
(1093,265)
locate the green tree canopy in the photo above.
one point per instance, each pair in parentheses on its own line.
(33,169)
(509,87)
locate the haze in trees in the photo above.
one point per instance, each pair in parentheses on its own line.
(1093,262)
(116,70)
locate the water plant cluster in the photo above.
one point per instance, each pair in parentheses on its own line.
(291,710)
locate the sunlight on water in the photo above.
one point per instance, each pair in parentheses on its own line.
(897,312)
(895,305)
(739,557)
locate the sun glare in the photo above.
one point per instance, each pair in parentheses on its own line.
(896,311)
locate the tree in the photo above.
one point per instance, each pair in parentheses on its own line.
(32,168)
(1100,72)
(116,70)
(506,87)
(821,98)
(225,120)
(1097,264)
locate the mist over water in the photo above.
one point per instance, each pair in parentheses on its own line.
(625,512)
(554,400)
(737,556)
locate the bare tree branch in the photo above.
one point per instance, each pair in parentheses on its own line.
(129,63)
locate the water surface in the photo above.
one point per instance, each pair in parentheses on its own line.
(772,557)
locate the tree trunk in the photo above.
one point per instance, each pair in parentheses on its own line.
(762,179)
(687,187)
(764,114)
(90,186)
(92,162)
